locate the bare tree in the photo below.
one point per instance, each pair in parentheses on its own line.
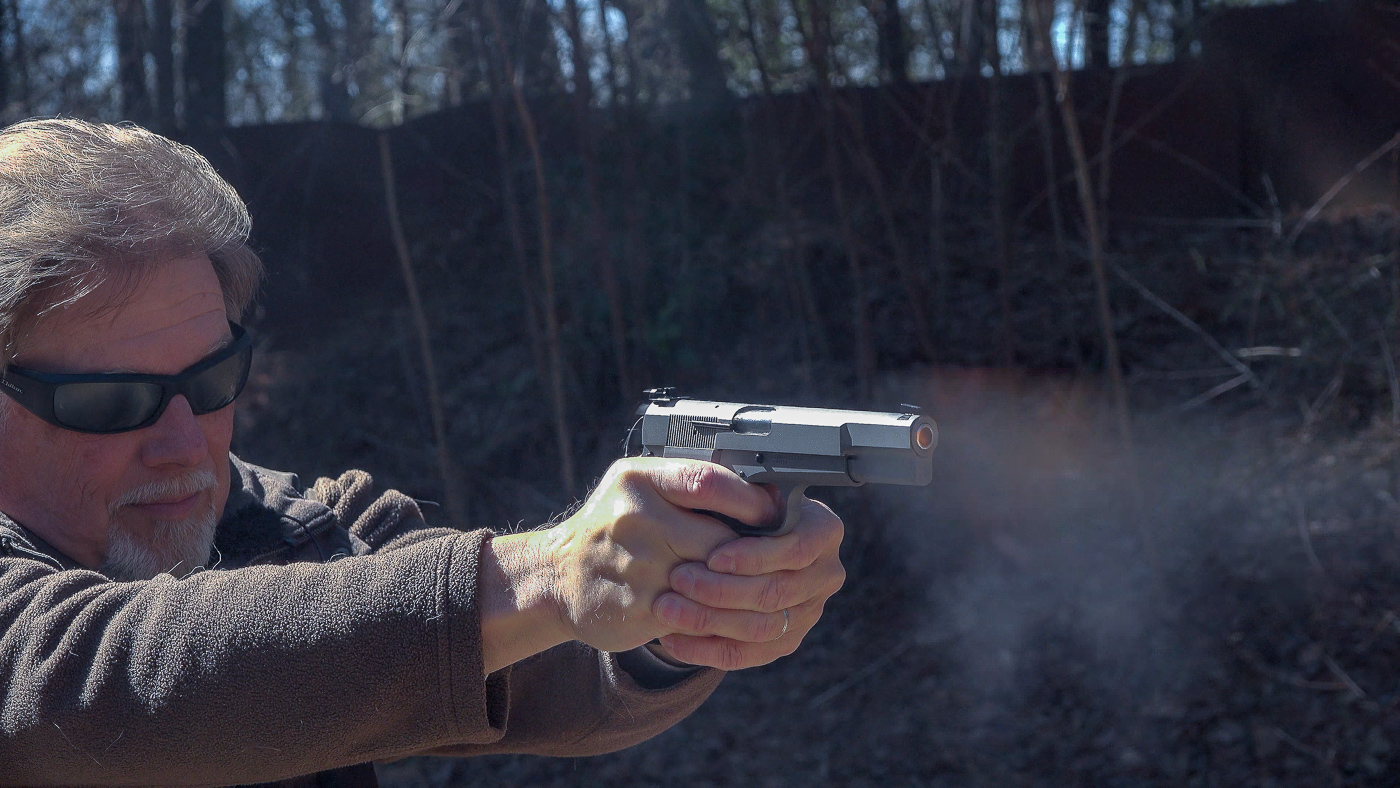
(451,483)
(795,267)
(815,28)
(546,234)
(913,290)
(1096,24)
(20,56)
(996,154)
(1185,23)
(205,68)
(891,42)
(399,90)
(4,63)
(510,203)
(163,53)
(333,87)
(971,39)
(698,45)
(628,123)
(598,234)
(1040,21)
(131,59)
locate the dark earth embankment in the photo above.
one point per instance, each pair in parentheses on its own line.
(1041,615)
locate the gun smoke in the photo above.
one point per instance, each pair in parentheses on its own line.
(1079,601)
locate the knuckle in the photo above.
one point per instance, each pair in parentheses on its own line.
(762,628)
(730,655)
(838,577)
(804,549)
(709,590)
(835,527)
(772,595)
(632,475)
(700,479)
(746,562)
(698,618)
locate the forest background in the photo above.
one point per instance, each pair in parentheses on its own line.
(1137,257)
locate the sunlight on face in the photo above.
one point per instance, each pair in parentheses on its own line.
(136,503)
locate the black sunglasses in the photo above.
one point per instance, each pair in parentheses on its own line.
(108,403)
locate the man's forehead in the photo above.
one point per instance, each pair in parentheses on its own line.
(172,312)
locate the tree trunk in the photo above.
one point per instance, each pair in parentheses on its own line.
(163,52)
(1088,204)
(455,500)
(4,65)
(530,44)
(1096,33)
(809,319)
(971,48)
(629,123)
(20,58)
(816,38)
(1186,26)
(468,57)
(913,290)
(333,82)
(510,202)
(893,48)
(1042,74)
(1001,231)
(588,144)
(399,97)
(546,232)
(698,46)
(205,105)
(358,37)
(934,33)
(131,60)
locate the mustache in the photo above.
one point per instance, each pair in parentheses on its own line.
(173,488)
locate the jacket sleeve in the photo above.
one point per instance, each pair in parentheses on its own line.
(571,700)
(241,676)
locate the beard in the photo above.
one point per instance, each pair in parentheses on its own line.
(176,547)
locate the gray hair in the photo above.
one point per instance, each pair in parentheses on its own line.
(81,202)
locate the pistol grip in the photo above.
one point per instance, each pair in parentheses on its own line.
(792,512)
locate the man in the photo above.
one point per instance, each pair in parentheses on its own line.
(170,614)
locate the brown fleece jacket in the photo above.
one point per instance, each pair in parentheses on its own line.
(334,627)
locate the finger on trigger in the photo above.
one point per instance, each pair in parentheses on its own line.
(694,484)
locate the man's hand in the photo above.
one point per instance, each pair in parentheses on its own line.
(727,611)
(608,575)
(596,576)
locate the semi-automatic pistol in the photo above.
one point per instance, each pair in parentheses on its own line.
(793,448)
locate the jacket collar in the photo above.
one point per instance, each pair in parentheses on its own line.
(265,519)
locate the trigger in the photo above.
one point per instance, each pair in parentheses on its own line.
(792,507)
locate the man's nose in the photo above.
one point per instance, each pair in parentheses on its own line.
(175,438)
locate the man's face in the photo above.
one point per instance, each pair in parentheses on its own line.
(134,503)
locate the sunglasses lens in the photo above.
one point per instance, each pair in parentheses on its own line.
(105,407)
(216,387)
